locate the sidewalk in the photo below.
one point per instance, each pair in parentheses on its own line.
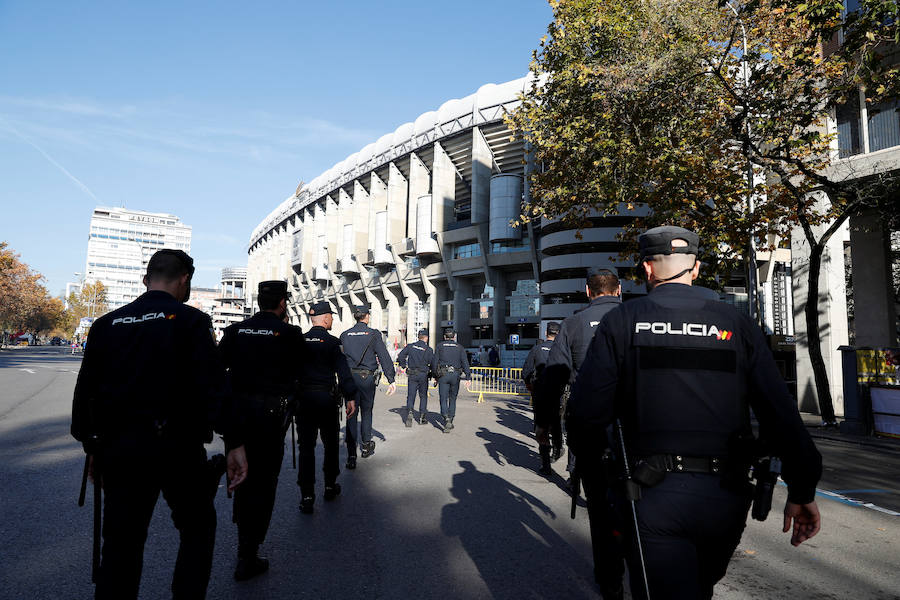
(818,431)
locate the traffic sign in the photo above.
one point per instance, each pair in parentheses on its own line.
(514,339)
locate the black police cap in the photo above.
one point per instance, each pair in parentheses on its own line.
(320,308)
(362,310)
(552,328)
(659,241)
(276,288)
(423,332)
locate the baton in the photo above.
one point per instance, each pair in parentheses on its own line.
(98,516)
(84,479)
(632,492)
(293,445)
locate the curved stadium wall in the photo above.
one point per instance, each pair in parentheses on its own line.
(417,225)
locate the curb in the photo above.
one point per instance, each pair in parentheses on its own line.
(856,441)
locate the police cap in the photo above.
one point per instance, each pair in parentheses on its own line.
(320,308)
(275,288)
(659,241)
(423,332)
(552,328)
(361,310)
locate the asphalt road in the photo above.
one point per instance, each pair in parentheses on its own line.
(430,515)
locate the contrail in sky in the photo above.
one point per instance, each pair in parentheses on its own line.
(52,161)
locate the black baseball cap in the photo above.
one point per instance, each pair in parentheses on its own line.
(423,332)
(275,288)
(320,308)
(361,309)
(552,328)
(659,241)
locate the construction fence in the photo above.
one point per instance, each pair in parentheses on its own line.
(487,381)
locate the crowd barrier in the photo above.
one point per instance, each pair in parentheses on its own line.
(486,381)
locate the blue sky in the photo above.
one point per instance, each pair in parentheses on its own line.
(215,111)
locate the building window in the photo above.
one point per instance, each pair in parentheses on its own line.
(884,125)
(848,126)
(466,251)
(447,311)
(525,299)
(513,246)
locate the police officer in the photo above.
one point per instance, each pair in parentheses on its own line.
(452,363)
(262,355)
(365,351)
(318,412)
(531,371)
(418,360)
(566,357)
(681,372)
(149,394)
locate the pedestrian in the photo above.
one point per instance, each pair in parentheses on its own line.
(450,365)
(565,359)
(418,360)
(262,355)
(494,356)
(320,405)
(531,371)
(365,352)
(680,373)
(149,394)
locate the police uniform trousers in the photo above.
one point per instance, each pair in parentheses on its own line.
(134,472)
(254,499)
(448,389)
(361,421)
(690,526)
(417,384)
(318,416)
(606,543)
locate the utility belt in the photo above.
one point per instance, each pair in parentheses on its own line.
(442,370)
(650,471)
(366,373)
(415,372)
(317,387)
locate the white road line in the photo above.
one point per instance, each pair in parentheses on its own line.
(28,370)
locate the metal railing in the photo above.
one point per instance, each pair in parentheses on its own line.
(486,381)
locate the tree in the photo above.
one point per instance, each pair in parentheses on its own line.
(91,301)
(712,114)
(25,303)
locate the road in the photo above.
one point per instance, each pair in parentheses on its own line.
(430,515)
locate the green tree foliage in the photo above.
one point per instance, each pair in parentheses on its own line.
(695,110)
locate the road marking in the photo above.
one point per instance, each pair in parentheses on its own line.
(28,370)
(862,491)
(838,497)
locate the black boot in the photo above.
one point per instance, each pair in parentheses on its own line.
(423,418)
(332,491)
(545,469)
(409,417)
(448,424)
(306,505)
(368,449)
(250,567)
(351,462)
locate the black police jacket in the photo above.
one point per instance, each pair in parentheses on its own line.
(262,355)
(451,354)
(536,360)
(362,345)
(418,356)
(682,371)
(152,367)
(322,360)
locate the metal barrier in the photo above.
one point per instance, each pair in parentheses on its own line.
(500,381)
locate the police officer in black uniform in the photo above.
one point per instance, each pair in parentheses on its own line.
(262,355)
(681,372)
(566,357)
(365,351)
(149,395)
(531,371)
(418,360)
(320,400)
(451,364)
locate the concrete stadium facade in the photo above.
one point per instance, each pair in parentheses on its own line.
(417,225)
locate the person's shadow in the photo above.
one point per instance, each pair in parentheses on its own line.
(515,551)
(508,450)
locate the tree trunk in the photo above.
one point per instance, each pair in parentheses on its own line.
(820,375)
